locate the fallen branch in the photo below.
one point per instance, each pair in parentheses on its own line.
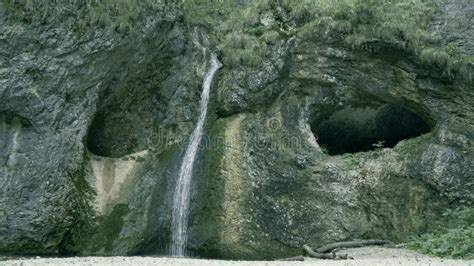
(313,254)
(350,244)
(297,258)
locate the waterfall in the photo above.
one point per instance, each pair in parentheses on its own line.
(182,190)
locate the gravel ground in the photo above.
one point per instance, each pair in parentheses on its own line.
(362,256)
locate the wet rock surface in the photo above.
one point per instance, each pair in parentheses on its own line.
(280,187)
(65,94)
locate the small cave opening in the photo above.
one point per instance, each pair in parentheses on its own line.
(359,129)
(112,135)
(124,123)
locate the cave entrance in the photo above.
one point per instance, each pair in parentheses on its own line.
(352,130)
(125,120)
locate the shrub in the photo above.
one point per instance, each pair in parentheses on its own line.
(241,49)
(448,59)
(243,40)
(454,238)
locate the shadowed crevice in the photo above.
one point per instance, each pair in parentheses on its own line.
(352,130)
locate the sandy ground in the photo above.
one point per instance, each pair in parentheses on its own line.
(362,256)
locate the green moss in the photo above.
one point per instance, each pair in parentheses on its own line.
(108,229)
(153,235)
(206,220)
(112,224)
(82,213)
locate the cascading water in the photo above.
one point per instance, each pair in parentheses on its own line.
(182,190)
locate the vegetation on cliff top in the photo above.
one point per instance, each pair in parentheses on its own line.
(120,15)
(400,23)
(244,31)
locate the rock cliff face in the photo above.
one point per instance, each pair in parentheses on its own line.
(79,112)
(284,181)
(318,143)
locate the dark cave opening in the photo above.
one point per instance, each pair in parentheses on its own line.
(124,123)
(352,130)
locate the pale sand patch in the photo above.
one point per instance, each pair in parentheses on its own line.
(362,256)
(111,174)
